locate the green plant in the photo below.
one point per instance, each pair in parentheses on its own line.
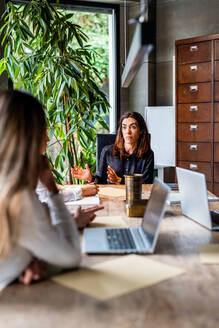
(48,55)
(96,28)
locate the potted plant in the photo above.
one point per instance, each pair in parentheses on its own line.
(48,55)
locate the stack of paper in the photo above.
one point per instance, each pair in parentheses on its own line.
(112,192)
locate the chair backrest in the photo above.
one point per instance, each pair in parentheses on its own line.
(102,141)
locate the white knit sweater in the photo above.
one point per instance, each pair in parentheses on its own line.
(48,233)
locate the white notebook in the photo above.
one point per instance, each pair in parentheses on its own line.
(86,201)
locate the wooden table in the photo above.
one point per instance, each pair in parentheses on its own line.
(189,300)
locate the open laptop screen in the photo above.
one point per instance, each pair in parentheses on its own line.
(194,196)
(155,209)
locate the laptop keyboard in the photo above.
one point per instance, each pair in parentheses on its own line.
(120,239)
(142,243)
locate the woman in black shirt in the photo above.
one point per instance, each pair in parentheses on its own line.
(131,153)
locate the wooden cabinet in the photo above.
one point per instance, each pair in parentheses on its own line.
(197,107)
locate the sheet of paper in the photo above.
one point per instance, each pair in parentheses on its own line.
(117,277)
(112,192)
(213,198)
(88,201)
(108,222)
(173,198)
(209,253)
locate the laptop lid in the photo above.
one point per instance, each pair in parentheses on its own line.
(154,211)
(194,196)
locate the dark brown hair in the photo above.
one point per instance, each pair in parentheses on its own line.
(143,141)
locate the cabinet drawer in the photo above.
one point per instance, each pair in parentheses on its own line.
(195,132)
(188,151)
(198,92)
(216,70)
(216,49)
(216,152)
(216,112)
(216,132)
(199,112)
(205,168)
(195,73)
(194,52)
(216,91)
(216,172)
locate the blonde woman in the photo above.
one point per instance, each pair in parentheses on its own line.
(28,229)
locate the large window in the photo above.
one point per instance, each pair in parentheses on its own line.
(100,23)
(85,12)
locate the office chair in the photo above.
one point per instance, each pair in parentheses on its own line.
(103,140)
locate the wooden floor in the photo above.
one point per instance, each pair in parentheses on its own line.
(189,300)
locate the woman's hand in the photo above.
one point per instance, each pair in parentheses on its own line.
(81,174)
(89,190)
(85,216)
(36,271)
(112,176)
(46,175)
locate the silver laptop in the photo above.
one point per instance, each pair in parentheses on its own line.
(130,240)
(194,198)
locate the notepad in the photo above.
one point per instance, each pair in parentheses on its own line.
(112,192)
(86,201)
(209,253)
(107,222)
(117,277)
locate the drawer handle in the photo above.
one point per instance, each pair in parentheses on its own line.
(193,127)
(193,88)
(193,68)
(193,108)
(193,166)
(193,147)
(194,48)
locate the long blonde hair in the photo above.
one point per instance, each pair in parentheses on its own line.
(22,129)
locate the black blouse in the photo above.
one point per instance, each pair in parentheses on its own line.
(126,165)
